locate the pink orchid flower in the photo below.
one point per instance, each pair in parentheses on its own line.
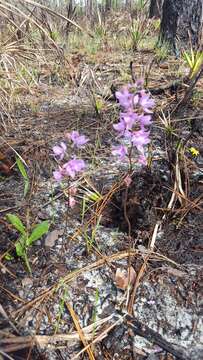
(120,151)
(60,150)
(77,139)
(146,102)
(73,166)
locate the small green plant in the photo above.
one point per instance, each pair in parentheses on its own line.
(156,24)
(162,51)
(140,5)
(63,292)
(194,60)
(24,174)
(98,106)
(25,239)
(136,34)
(89,199)
(54,35)
(168,126)
(100,31)
(90,239)
(100,28)
(94,316)
(139,29)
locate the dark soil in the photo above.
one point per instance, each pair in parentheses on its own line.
(147,199)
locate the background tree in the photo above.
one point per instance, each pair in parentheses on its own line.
(181,20)
(155,8)
(89,8)
(108,5)
(128,4)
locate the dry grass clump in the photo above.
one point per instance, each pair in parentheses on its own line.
(31,35)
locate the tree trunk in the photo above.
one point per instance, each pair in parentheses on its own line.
(155,9)
(128,4)
(108,5)
(181,20)
(89,9)
(70,15)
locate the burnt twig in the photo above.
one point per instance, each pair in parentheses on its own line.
(143,330)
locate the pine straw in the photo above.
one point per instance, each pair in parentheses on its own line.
(12,343)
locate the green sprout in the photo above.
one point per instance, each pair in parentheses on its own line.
(94,316)
(63,298)
(24,174)
(89,199)
(194,60)
(25,239)
(90,239)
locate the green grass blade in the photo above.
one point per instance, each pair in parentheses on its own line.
(38,232)
(17,223)
(21,168)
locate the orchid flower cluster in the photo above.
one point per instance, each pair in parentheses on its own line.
(135,118)
(71,168)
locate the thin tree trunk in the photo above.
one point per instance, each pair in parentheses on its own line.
(155,9)
(128,4)
(108,5)
(70,15)
(182,21)
(190,24)
(89,9)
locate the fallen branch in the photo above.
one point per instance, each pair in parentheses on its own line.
(143,330)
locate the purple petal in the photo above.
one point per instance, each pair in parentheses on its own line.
(142,159)
(145,120)
(120,151)
(77,164)
(71,202)
(125,98)
(73,166)
(145,101)
(59,150)
(129,118)
(120,127)
(140,138)
(57,175)
(140,83)
(77,139)
(135,100)
(63,146)
(68,170)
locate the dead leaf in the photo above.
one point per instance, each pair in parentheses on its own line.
(175,272)
(52,237)
(142,249)
(27,282)
(124,277)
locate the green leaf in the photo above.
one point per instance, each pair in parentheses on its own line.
(38,232)
(23,172)
(93,196)
(20,251)
(21,168)
(20,246)
(17,223)
(8,257)
(188,60)
(192,56)
(26,187)
(99,105)
(198,63)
